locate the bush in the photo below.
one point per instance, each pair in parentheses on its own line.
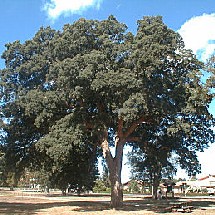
(100,186)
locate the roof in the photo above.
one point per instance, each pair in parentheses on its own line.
(168,183)
(129,182)
(206,177)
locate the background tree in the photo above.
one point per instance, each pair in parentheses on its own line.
(105,174)
(3,171)
(151,167)
(133,187)
(164,150)
(96,82)
(210,67)
(151,160)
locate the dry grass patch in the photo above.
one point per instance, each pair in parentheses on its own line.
(41,204)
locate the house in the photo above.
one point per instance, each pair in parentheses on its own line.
(136,186)
(181,187)
(196,185)
(177,187)
(208,181)
(204,182)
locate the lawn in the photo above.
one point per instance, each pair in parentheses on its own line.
(18,202)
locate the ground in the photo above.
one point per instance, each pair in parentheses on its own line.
(17,202)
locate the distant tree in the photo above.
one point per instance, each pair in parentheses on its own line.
(100,186)
(97,84)
(161,153)
(3,171)
(133,187)
(105,175)
(152,163)
(210,67)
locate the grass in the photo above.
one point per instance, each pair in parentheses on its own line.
(32,203)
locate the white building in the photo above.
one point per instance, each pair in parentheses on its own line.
(206,182)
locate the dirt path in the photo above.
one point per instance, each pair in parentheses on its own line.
(40,204)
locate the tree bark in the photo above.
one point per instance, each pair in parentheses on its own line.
(155,187)
(115,168)
(116,191)
(115,178)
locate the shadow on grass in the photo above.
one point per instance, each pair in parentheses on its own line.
(21,206)
(33,208)
(165,206)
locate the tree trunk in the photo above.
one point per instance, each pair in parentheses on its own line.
(116,185)
(155,186)
(115,168)
(155,190)
(115,163)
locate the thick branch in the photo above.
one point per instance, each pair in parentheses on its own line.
(119,149)
(134,125)
(134,139)
(106,151)
(105,148)
(120,126)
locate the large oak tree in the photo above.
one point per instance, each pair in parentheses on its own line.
(96,82)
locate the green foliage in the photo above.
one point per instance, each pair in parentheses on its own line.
(101,186)
(11,180)
(210,67)
(63,90)
(151,161)
(133,187)
(3,171)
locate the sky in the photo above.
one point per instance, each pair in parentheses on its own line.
(193,19)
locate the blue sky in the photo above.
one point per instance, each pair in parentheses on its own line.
(193,19)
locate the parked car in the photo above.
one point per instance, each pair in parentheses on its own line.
(211,191)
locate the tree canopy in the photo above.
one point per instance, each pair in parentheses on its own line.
(97,84)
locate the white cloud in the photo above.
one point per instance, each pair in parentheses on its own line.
(55,8)
(199,35)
